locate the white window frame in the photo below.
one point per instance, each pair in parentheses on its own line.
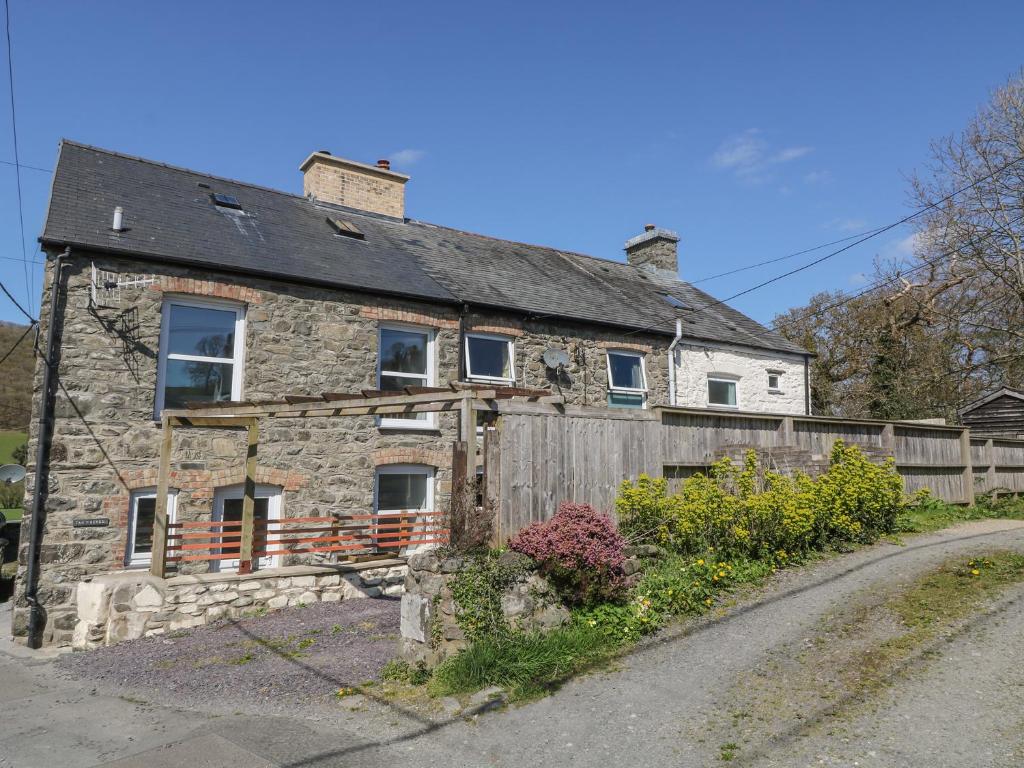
(777,375)
(238,353)
(273,494)
(509,340)
(643,373)
(726,378)
(405,469)
(431,377)
(143,559)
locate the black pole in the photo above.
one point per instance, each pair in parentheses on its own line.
(44,435)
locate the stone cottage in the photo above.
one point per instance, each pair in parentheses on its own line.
(175,286)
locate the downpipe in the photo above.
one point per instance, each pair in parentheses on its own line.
(672,363)
(44,435)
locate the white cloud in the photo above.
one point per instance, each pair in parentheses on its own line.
(749,157)
(403,158)
(847,225)
(817,177)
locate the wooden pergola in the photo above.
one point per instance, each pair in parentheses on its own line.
(464,399)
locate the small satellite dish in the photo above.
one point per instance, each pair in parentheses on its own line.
(555,358)
(11,473)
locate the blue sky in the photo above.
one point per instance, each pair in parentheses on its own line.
(754,129)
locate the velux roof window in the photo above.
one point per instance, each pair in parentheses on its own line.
(225,201)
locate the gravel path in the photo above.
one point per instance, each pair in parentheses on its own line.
(667,705)
(274,663)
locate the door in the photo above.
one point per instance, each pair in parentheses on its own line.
(227,507)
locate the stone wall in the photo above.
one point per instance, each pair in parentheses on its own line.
(127,605)
(429,626)
(298,339)
(749,368)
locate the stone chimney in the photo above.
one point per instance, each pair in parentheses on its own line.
(373,188)
(656,250)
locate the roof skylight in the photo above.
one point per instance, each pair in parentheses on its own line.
(346,228)
(225,201)
(673,301)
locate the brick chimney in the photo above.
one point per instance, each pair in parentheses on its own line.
(656,250)
(373,188)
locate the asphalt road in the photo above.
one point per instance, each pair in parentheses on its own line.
(679,701)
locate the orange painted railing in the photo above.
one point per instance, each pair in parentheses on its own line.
(347,535)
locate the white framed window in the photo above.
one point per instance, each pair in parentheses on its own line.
(227,507)
(722,391)
(138,551)
(403,488)
(406,359)
(774,381)
(490,358)
(627,380)
(202,342)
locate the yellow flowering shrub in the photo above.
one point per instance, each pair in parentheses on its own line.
(745,510)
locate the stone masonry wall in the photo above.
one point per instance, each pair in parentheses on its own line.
(429,623)
(750,369)
(128,605)
(298,339)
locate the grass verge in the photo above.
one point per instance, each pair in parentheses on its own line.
(934,515)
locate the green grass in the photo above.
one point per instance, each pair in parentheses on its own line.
(12,515)
(9,440)
(935,515)
(527,666)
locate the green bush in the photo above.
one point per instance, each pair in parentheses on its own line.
(747,511)
(477,591)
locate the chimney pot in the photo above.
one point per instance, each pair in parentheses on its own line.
(385,164)
(648,227)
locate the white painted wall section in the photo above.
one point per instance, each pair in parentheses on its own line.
(750,369)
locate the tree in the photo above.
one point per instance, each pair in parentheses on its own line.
(935,329)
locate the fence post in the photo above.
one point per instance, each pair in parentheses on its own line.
(889,439)
(158,562)
(492,480)
(965,459)
(990,466)
(249,501)
(785,432)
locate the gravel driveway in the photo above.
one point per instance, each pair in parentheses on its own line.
(671,703)
(273,663)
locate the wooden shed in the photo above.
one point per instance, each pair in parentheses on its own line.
(1000,414)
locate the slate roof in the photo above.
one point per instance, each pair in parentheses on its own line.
(170,217)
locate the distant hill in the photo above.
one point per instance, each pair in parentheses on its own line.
(16,378)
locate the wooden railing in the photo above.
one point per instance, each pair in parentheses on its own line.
(346,535)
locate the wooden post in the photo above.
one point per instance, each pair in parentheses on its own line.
(457,512)
(492,480)
(889,440)
(785,432)
(249,500)
(990,467)
(158,563)
(965,459)
(467,434)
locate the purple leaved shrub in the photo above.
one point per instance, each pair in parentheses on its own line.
(579,552)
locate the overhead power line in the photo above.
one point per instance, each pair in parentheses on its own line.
(21,338)
(29,287)
(14,301)
(29,167)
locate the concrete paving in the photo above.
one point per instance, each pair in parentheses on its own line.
(650,712)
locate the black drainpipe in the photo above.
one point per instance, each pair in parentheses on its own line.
(44,434)
(462,342)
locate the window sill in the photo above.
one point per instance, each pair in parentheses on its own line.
(493,382)
(720,407)
(776,392)
(409,428)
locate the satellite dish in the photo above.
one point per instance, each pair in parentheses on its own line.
(555,358)
(11,473)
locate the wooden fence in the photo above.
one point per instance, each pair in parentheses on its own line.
(536,456)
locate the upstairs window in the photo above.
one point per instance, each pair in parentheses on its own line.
(722,392)
(406,359)
(627,380)
(201,347)
(774,381)
(490,358)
